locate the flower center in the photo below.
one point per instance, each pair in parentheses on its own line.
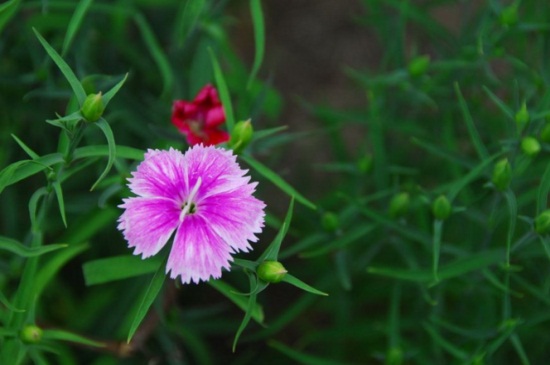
(189,207)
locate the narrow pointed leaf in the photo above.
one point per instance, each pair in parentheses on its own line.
(292,280)
(187,18)
(60,202)
(457,268)
(272,251)
(51,267)
(103,150)
(20,170)
(474,134)
(503,107)
(249,308)
(148,298)
(301,357)
(278,181)
(74,23)
(543,190)
(25,148)
(7,11)
(65,69)
(8,305)
(117,268)
(240,301)
(106,129)
(474,173)
(11,245)
(158,55)
(60,335)
(259,38)
(223,91)
(114,90)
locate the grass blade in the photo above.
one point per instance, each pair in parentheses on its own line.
(272,251)
(292,280)
(223,91)
(19,249)
(109,94)
(75,23)
(7,11)
(278,181)
(474,134)
(259,38)
(65,69)
(187,18)
(60,202)
(61,335)
(240,301)
(106,129)
(148,298)
(157,54)
(25,148)
(117,268)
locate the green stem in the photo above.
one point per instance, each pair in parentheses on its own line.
(438,231)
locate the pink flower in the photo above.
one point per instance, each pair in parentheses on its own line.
(204,197)
(200,119)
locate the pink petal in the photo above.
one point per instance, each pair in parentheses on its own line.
(207,96)
(197,252)
(214,117)
(148,223)
(161,174)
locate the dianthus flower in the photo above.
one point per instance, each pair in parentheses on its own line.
(204,197)
(200,120)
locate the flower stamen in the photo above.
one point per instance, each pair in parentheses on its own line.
(189,206)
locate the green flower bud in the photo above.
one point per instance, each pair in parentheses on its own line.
(545,133)
(93,107)
(441,208)
(419,65)
(271,271)
(509,15)
(522,117)
(530,146)
(502,174)
(399,205)
(395,356)
(241,135)
(330,221)
(31,334)
(365,163)
(542,222)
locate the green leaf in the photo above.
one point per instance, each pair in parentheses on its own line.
(278,181)
(75,23)
(272,251)
(444,344)
(458,185)
(292,280)
(60,202)
(7,11)
(114,90)
(20,170)
(50,269)
(186,19)
(240,301)
(259,38)
(457,268)
(106,129)
(33,204)
(249,309)
(65,69)
(300,357)
(148,298)
(341,242)
(117,268)
(503,107)
(103,150)
(543,190)
(8,305)
(156,52)
(474,134)
(19,249)
(60,335)
(223,91)
(25,148)
(267,132)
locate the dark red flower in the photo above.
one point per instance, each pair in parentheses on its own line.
(200,120)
